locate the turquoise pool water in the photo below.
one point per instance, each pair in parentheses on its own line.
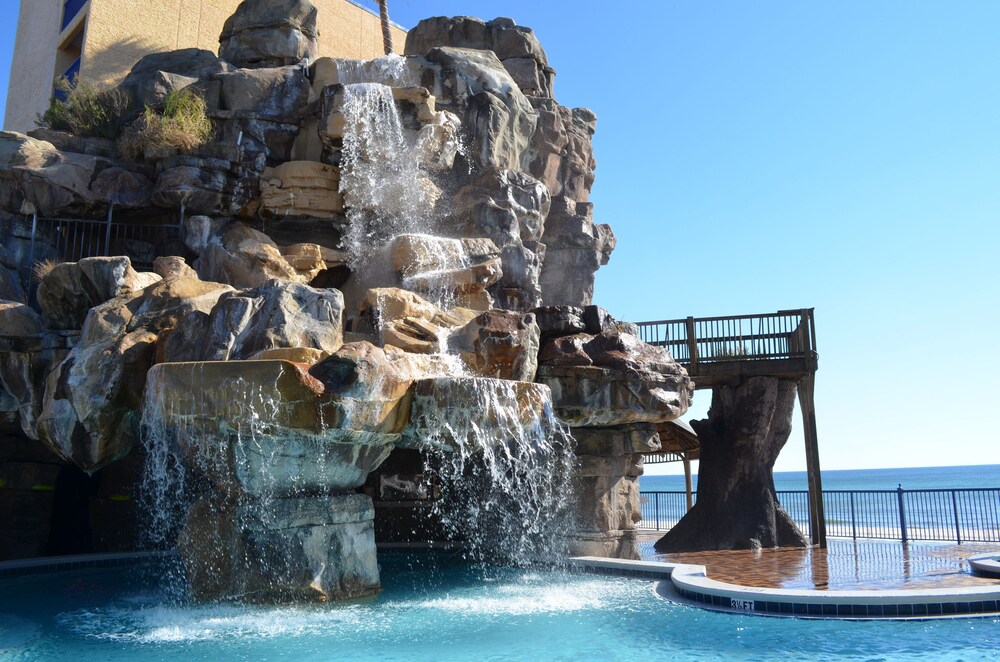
(440,610)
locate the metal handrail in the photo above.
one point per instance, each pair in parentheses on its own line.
(940,515)
(769,336)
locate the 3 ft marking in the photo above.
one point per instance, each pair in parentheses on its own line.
(743,605)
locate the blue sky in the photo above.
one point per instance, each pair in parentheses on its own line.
(756,156)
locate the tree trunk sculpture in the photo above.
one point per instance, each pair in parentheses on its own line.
(746,428)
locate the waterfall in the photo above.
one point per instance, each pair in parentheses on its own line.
(391,70)
(381,180)
(504,469)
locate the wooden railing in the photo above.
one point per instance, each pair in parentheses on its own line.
(786,334)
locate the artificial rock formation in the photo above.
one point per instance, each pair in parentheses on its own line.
(612,389)
(746,428)
(375,257)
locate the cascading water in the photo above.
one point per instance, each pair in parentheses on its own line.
(391,70)
(381,180)
(503,463)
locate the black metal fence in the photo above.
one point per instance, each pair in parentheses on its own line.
(33,239)
(946,515)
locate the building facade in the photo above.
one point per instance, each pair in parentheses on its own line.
(102,39)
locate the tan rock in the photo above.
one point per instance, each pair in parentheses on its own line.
(467,279)
(68,292)
(406,320)
(413,254)
(302,188)
(499,344)
(439,142)
(307,259)
(244,258)
(421,98)
(173,267)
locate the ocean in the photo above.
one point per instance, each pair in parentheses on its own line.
(912,478)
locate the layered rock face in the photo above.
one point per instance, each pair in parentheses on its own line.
(613,389)
(394,254)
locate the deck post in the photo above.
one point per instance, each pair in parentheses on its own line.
(817,516)
(692,342)
(687,480)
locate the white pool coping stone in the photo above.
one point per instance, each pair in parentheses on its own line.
(985,565)
(692,584)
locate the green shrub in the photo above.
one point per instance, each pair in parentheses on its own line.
(183,124)
(86,110)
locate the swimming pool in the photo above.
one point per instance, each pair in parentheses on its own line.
(440,609)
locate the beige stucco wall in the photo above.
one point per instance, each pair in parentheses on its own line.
(34,57)
(119,32)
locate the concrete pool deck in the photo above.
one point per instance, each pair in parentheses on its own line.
(850,579)
(844,565)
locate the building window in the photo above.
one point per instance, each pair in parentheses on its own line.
(70,9)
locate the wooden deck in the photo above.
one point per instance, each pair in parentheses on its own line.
(727,350)
(720,350)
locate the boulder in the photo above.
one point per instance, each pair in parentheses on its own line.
(561,151)
(311,548)
(173,267)
(308,260)
(201,186)
(464,280)
(612,378)
(244,258)
(27,355)
(494,112)
(406,320)
(70,289)
(499,344)
(516,46)
(591,396)
(125,188)
(439,141)
(277,315)
(277,93)
(155,75)
(282,434)
(301,188)
(270,33)
(90,411)
(413,254)
(157,307)
(558,321)
(35,173)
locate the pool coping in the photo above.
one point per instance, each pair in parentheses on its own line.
(985,565)
(692,583)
